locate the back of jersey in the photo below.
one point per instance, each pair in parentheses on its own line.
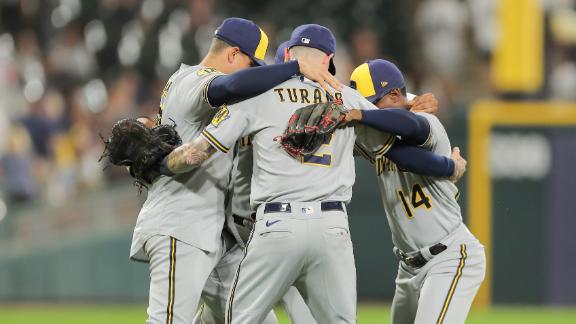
(189,206)
(328,175)
(421,210)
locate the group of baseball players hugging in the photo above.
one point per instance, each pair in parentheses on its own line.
(236,226)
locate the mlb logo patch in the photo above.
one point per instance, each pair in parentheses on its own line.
(383,83)
(305,40)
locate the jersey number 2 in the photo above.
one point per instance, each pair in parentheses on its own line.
(324,160)
(418,198)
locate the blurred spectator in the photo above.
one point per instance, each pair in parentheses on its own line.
(17,166)
(441,26)
(365,45)
(563,80)
(69,55)
(484,24)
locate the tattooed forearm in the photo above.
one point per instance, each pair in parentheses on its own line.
(189,156)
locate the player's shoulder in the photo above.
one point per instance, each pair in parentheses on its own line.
(353,99)
(432,119)
(189,75)
(438,140)
(351,94)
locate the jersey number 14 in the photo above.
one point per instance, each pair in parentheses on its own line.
(418,198)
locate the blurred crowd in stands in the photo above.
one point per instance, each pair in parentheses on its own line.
(70,68)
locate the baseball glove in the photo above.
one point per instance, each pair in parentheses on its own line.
(140,148)
(310,127)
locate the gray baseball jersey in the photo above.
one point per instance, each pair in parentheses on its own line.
(189,207)
(277,176)
(421,210)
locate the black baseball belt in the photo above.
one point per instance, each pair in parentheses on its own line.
(243,221)
(418,260)
(278,207)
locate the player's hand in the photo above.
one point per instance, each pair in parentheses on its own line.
(319,73)
(459,165)
(425,103)
(147,121)
(352,115)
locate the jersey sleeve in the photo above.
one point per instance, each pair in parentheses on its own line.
(228,125)
(193,89)
(371,143)
(437,132)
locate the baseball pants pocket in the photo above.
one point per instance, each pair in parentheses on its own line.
(178,272)
(451,285)
(269,267)
(405,302)
(329,285)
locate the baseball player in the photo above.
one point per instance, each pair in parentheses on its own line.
(441,263)
(301,235)
(293,303)
(179,230)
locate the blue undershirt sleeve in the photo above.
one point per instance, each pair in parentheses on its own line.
(250,82)
(413,129)
(420,161)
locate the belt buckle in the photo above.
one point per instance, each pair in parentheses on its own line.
(416,261)
(411,261)
(308,210)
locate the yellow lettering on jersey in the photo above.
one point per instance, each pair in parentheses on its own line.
(292,95)
(304,96)
(221,116)
(164,94)
(384,164)
(317,96)
(205,71)
(338,96)
(279,92)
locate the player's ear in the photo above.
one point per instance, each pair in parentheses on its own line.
(395,95)
(327,59)
(286,55)
(231,54)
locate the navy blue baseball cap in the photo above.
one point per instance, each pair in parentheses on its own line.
(245,34)
(279,58)
(375,78)
(315,36)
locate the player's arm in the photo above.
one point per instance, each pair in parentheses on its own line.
(247,83)
(186,157)
(413,128)
(228,125)
(425,162)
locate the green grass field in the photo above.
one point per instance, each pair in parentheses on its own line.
(368,314)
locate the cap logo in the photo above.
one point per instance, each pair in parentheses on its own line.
(305,40)
(383,83)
